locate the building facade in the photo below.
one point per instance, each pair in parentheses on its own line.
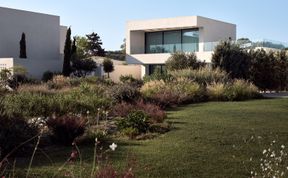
(150,43)
(45,39)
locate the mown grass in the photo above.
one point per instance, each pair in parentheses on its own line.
(214,139)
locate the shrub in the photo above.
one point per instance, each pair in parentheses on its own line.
(77,101)
(48,75)
(135,119)
(66,128)
(241,90)
(130,132)
(167,94)
(181,60)
(129,79)
(27,104)
(186,90)
(13,132)
(124,92)
(216,91)
(157,75)
(58,82)
(203,75)
(152,87)
(233,59)
(154,112)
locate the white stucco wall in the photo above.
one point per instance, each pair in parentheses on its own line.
(44,40)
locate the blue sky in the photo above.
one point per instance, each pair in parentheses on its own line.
(255,19)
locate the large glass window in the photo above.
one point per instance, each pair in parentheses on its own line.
(154,42)
(190,40)
(172,41)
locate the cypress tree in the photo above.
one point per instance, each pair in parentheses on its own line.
(67,54)
(23,47)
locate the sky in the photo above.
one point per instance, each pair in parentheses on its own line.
(255,19)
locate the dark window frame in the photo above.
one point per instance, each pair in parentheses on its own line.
(162,34)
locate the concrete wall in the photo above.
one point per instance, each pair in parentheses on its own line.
(209,31)
(161,58)
(44,40)
(214,30)
(134,70)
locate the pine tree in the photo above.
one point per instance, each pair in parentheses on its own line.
(95,45)
(23,47)
(67,54)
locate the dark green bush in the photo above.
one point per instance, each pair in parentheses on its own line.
(66,128)
(181,60)
(13,132)
(135,119)
(48,75)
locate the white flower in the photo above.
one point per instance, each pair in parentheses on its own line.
(282,146)
(264,151)
(113,146)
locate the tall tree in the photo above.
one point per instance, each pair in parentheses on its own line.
(263,72)
(108,66)
(23,46)
(74,47)
(95,45)
(82,47)
(231,58)
(66,70)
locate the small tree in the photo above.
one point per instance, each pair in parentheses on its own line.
(66,70)
(94,45)
(231,58)
(108,66)
(23,47)
(181,60)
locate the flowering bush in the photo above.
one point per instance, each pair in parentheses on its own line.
(154,112)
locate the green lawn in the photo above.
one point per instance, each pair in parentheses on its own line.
(207,140)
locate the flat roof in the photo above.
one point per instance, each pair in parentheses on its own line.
(26,11)
(178,17)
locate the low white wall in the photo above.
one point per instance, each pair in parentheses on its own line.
(6,63)
(134,70)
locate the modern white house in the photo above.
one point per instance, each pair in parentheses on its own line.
(45,39)
(150,43)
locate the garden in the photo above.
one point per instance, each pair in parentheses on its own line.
(184,122)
